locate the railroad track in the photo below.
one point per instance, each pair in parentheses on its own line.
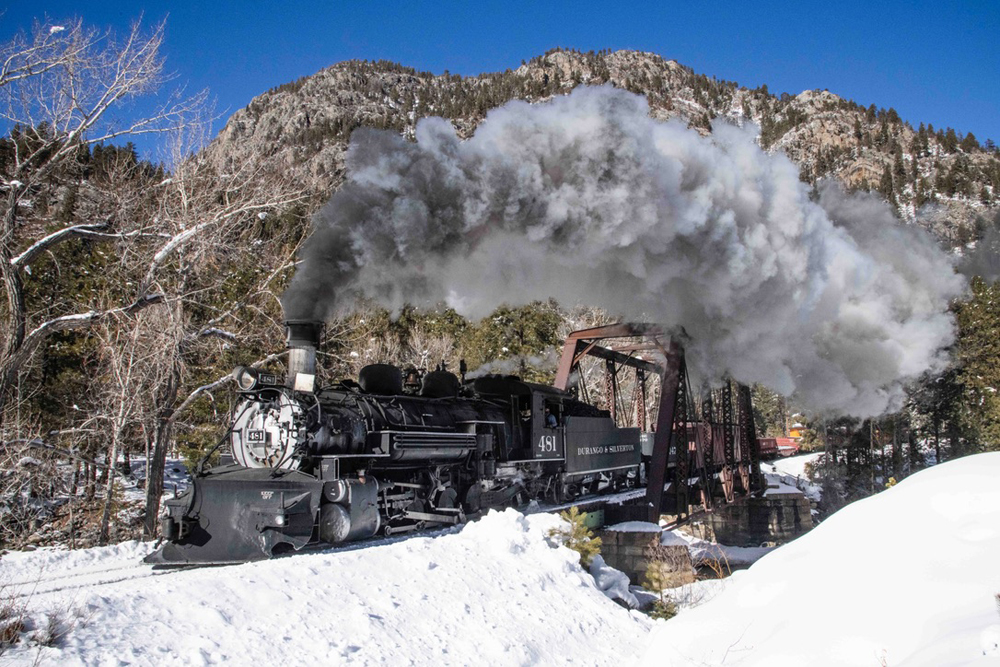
(43,584)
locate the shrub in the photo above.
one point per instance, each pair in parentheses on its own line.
(659,576)
(578,536)
(12,618)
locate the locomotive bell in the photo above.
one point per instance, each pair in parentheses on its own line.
(302,339)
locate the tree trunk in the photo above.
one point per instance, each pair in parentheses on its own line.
(15,301)
(156,465)
(154,479)
(102,538)
(90,488)
(897,453)
(937,440)
(76,480)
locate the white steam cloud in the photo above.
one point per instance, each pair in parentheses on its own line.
(549,359)
(589,200)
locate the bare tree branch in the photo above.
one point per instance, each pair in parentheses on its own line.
(67,323)
(220,382)
(52,239)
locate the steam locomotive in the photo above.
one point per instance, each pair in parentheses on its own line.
(390,453)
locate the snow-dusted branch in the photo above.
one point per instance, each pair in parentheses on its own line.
(43,244)
(60,86)
(38,443)
(215,332)
(83,320)
(69,323)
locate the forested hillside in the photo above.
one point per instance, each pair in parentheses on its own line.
(302,127)
(132,289)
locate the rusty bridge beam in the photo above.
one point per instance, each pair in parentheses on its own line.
(656,476)
(584,343)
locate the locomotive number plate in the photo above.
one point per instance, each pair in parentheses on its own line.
(255,435)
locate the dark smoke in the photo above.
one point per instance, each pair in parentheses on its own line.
(588,200)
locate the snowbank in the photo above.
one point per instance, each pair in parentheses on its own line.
(793,466)
(907,577)
(494,593)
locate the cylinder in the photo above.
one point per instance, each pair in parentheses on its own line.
(354,517)
(302,339)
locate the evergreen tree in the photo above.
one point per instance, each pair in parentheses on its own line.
(969,143)
(978,358)
(949,140)
(885,184)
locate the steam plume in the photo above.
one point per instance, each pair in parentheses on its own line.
(548,359)
(588,200)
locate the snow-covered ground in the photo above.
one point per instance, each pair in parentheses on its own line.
(907,577)
(494,593)
(791,471)
(175,479)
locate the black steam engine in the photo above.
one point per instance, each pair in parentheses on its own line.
(390,453)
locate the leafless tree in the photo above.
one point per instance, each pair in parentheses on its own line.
(427,349)
(60,88)
(173,240)
(211,220)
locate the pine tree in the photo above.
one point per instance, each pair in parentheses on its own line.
(885,185)
(577,536)
(969,143)
(949,140)
(978,357)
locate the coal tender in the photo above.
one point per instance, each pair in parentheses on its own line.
(391,453)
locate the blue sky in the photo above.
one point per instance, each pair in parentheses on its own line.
(936,62)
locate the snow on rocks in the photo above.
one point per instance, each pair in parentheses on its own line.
(906,577)
(989,641)
(793,466)
(704,552)
(498,592)
(613,583)
(633,527)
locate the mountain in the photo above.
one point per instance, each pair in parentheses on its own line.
(302,128)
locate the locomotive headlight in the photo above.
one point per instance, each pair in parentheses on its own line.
(246,378)
(279,520)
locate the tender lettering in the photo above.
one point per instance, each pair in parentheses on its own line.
(604,449)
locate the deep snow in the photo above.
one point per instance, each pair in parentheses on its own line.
(907,577)
(495,593)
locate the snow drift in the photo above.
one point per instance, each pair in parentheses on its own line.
(906,577)
(821,296)
(495,593)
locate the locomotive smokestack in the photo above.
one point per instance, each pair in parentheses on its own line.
(302,338)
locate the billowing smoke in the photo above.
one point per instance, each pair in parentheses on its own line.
(589,200)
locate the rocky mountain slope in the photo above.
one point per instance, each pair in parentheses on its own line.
(303,127)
